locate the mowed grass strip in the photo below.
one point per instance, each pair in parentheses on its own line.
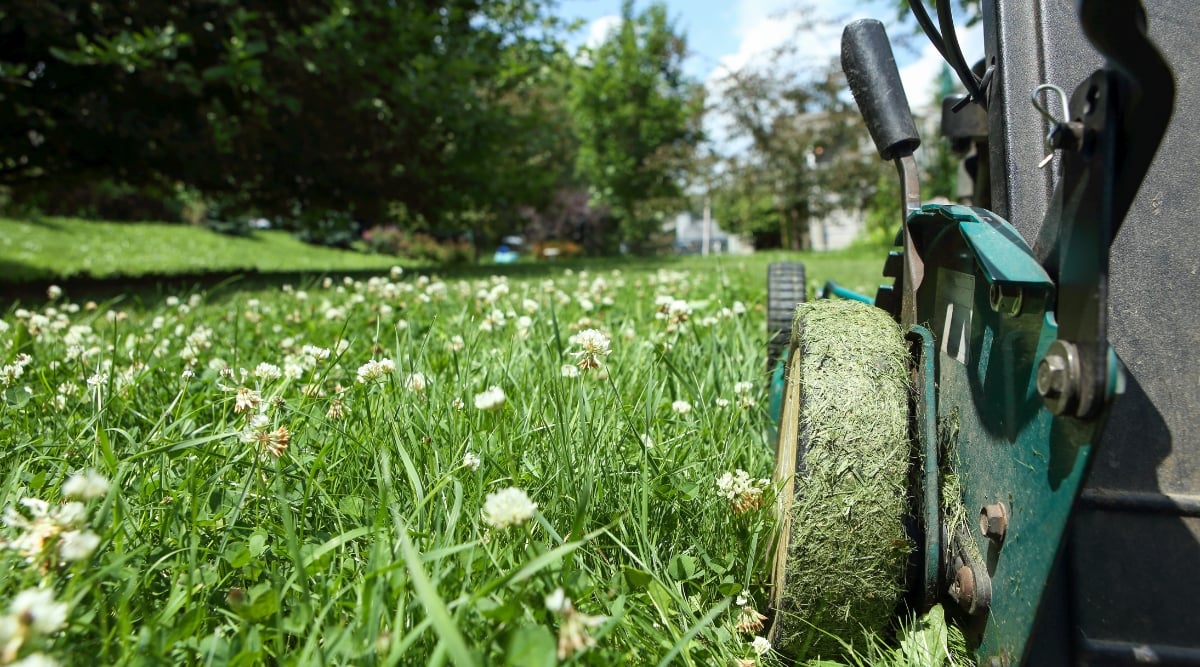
(59,248)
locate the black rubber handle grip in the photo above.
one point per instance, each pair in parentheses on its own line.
(874,80)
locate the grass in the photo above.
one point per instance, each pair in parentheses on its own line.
(59,248)
(365,540)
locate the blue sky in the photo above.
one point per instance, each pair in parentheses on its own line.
(730,34)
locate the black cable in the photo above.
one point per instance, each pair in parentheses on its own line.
(954,54)
(926,23)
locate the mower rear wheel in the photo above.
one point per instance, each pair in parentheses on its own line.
(785,288)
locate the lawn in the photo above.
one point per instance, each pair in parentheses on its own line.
(562,465)
(59,248)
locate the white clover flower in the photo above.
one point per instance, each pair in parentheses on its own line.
(569,371)
(530,306)
(458,403)
(558,602)
(246,400)
(376,370)
(85,485)
(647,441)
(77,545)
(524,323)
(456,344)
(492,399)
(742,493)
(267,371)
(471,461)
(54,292)
(722,403)
(416,382)
(761,645)
(742,387)
(593,345)
(395,272)
(749,621)
(508,507)
(681,407)
(38,659)
(36,609)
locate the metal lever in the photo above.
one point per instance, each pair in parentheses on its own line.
(874,79)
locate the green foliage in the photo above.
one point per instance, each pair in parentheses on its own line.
(804,158)
(637,121)
(291,110)
(418,246)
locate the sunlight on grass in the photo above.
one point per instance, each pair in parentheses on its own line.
(408,469)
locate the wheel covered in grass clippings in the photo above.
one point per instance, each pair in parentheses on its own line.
(842,467)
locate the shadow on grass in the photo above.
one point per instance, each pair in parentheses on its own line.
(26,285)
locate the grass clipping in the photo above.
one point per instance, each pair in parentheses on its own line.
(846,547)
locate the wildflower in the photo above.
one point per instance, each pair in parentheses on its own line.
(722,403)
(508,507)
(36,660)
(188,374)
(492,399)
(53,292)
(647,441)
(456,344)
(458,403)
(471,461)
(86,485)
(77,545)
(761,645)
(530,306)
(681,407)
(593,345)
(375,370)
(258,432)
(749,620)
(416,382)
(742,387)
(396,272)
(337,409)
(268,372)
(739,308)
(573,635)
(569,371)
(35,609)
(246,400)
(743,493)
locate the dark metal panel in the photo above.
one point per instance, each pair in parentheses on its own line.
(1134,575)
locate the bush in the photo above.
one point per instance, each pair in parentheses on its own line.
(390,240)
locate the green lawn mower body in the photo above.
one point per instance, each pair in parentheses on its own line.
(1055,488)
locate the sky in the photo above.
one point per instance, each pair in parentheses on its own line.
(725,35)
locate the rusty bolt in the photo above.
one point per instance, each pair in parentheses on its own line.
(963,588)
(993,521)
(1052,376)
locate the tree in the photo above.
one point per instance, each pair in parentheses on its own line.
(805,153)
(285,108)
(637,118)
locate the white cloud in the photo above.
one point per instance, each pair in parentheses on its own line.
(920,76)
(599,30)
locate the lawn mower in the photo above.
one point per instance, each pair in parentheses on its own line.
(1044,483)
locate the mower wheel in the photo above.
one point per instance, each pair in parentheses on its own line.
(785,288)
(841,472)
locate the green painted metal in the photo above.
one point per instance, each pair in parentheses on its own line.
(835,289)
(925,425)
(1009,448)
(775,391)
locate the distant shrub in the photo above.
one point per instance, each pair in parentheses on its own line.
(390,240)
(557,249)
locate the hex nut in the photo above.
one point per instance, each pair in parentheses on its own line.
(993,521)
